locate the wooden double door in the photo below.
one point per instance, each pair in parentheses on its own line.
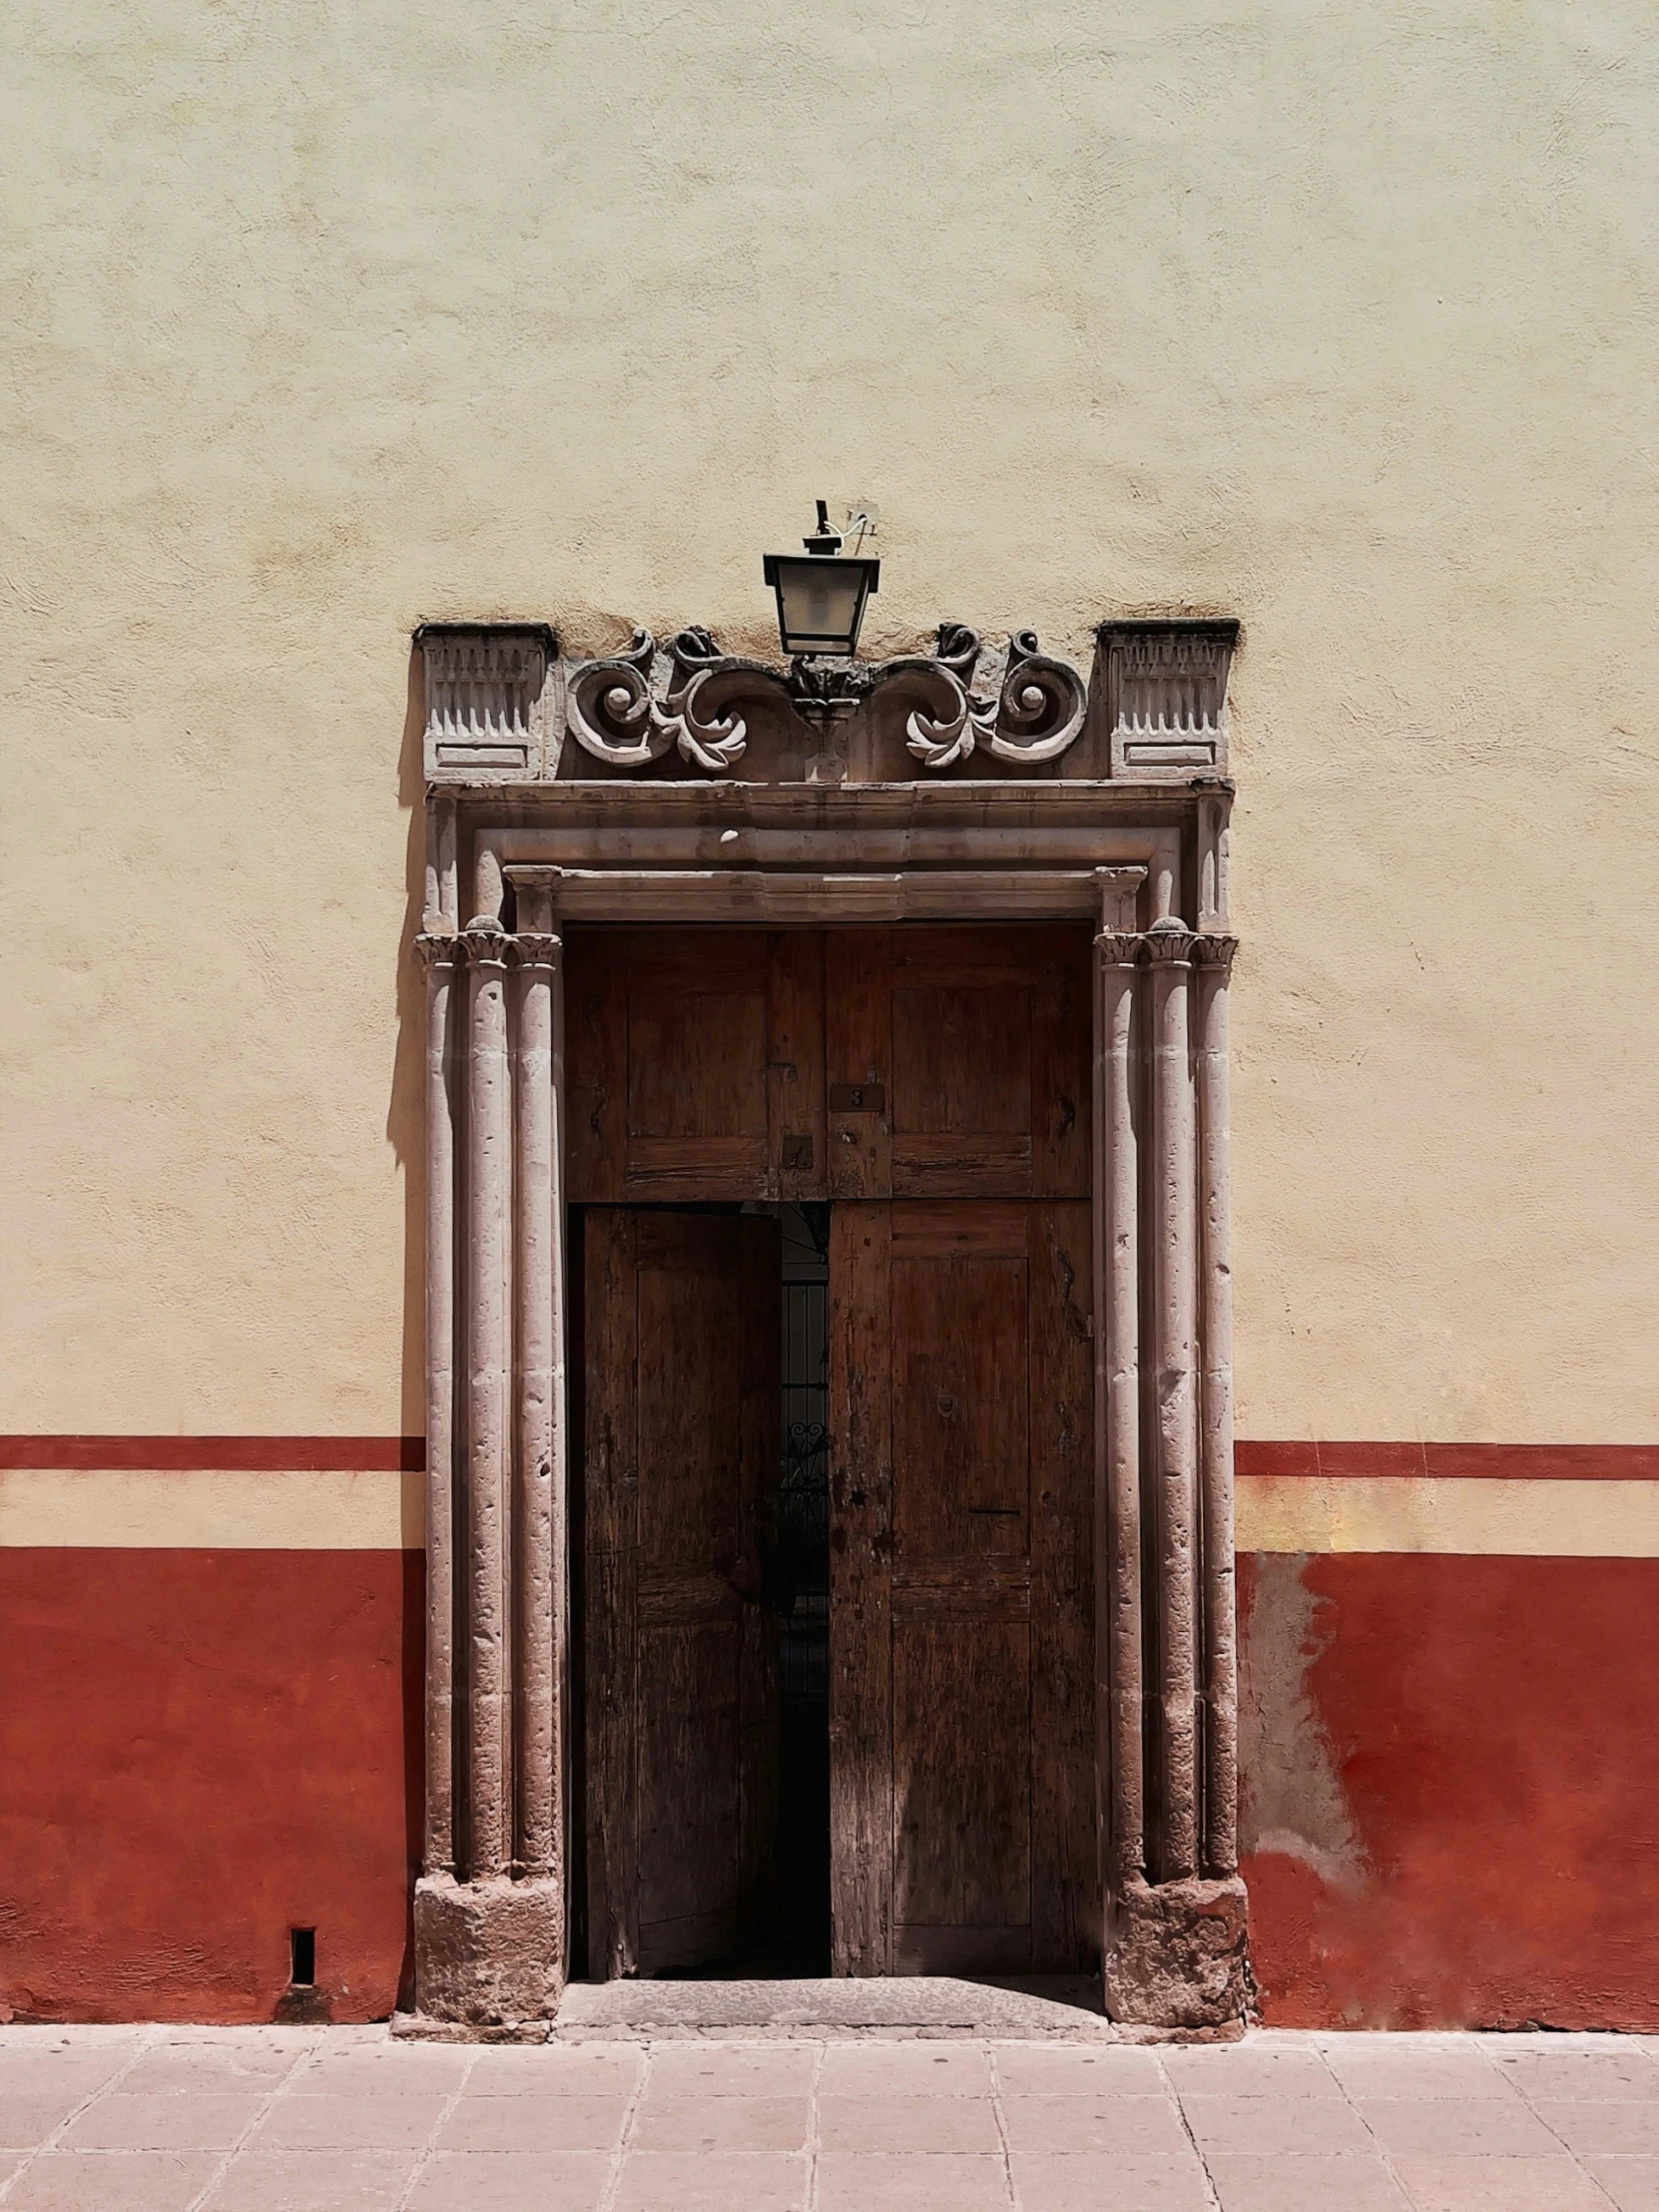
(931,1085)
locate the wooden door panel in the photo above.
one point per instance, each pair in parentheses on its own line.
(691,1796)
(907,1061)
(961,1440)
(681,1338)
(961,1594)
(689,1396)
(961,1775)
(962,1059)
(977,1042)
(695,1064)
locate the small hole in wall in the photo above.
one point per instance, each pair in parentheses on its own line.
(302,1957)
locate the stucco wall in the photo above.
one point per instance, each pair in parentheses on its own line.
(323,321)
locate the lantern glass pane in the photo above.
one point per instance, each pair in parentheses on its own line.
(820,603)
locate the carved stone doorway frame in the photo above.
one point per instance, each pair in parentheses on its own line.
(1143,859)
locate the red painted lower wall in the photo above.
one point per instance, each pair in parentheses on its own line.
(199,1751)
(1453,1776)
(1473,1746)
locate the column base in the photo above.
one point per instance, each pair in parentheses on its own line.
(1176,1954)
(488,1955)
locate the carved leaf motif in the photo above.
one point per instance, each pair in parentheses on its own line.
(1034,715)
(711,742)
(632,709)
(940,736)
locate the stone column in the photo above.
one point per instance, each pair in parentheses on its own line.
(1175,1943)
(490,1910)
(1118,1629)
(538,1502)
(441,955)
(489,1137)
(1174,1470)
(1212,956)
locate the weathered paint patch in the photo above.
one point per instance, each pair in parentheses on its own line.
(1291,1799)
(1486,1726)
(201,1751)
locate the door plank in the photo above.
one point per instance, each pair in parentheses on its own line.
(1066,1930)
(861,1631)
(797,1138)
(991,1043)
(960,1422)
(961,1776)
(762,1326)
(596,1070)
(857,1022)
(961,1723)
(611,1546)
(1062,1047)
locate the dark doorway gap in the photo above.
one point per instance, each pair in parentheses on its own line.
(795,1940)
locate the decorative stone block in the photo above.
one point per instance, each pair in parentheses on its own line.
(488,1954)
(1176,1954)
(1166,697)
(486,687)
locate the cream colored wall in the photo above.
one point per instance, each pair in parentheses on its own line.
(325,319)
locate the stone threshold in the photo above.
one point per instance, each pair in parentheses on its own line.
(1064,2008)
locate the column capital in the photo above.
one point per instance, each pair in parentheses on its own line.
(1170,945)
(1211,950)
(486,943)
(537,948)
(1119,948)
(438,947)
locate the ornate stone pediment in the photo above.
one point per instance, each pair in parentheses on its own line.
(503,707)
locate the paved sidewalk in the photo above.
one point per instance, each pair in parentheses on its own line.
(346,2121)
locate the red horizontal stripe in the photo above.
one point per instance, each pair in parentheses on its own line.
(177,1454)
(1507,1463)
(1253,1456)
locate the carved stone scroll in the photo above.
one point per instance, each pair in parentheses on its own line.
(1027,707)
(1019,703)
(634,708)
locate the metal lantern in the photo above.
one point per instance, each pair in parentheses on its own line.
(821,593)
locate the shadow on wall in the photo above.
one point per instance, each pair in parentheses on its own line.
(405,1107)
(405,1133)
